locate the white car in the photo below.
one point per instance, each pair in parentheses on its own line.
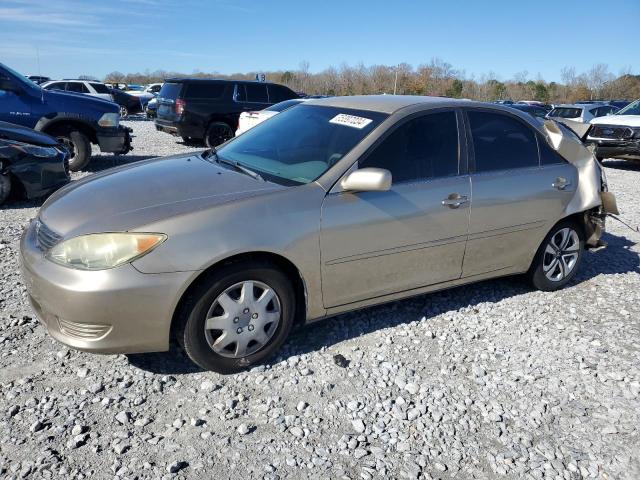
(582,112)
(249,120)
(618,135)
(88,87)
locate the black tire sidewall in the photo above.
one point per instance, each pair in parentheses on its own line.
(208,133)
(537,276)
(81,147)
(191,336)
(5,187)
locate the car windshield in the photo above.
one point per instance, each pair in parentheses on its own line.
(300,144)
(566,112)
(631,109)
(24,81)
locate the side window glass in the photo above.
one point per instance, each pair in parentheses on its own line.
(257,93)
(56,86)
(501,142)
(548,156)
(422,148)
(279,94)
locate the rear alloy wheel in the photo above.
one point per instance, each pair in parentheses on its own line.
(78,146)
(237,317)
(558,258)
(5,187)
(217,133)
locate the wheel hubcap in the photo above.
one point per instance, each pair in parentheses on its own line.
(561,254)
(242,319)
(68,144)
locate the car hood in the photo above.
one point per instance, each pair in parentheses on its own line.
(624,120)
(10,131)
(72,100)
(132,196)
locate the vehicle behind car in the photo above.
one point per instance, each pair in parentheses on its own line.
(94,89)
(128,103)
(32,164)
(249,120)
(618,135)
(209,110)
(76,120)
(534,110)
(582,112)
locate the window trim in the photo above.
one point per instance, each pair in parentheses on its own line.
(470,148)
(462,150)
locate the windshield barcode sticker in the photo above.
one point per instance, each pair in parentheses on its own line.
(351,120)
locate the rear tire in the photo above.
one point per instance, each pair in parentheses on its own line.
(217,133)
(79,147)
(5,188)
(558,258)
(202,346)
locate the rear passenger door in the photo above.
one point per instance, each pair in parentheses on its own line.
(521,188)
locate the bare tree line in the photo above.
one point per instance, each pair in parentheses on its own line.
(435,78)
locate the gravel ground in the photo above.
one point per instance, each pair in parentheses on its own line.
(492,380)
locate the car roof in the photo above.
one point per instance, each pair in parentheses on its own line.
(390,103)
(215,80)
(572,105)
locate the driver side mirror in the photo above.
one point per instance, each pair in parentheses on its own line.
(7,85)
(367,180)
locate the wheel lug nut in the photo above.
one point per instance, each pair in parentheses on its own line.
(246,310)
(255,315)
(250,327)
(239,330)
(236,320)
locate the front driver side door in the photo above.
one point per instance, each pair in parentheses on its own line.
(378,243)
(15,105)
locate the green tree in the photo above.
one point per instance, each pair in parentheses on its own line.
(455,90)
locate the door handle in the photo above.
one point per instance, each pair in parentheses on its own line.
(561,183)
(455,200)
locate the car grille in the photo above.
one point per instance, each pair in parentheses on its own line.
(606,131)
(84,331)
(46,237)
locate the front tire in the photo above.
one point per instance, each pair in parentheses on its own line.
(558,258)
(79,148)
(237,317)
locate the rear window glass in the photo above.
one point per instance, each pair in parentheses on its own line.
(279,93)
(204,90)
(170,90)
(99,87)
(565,112)
(279,107)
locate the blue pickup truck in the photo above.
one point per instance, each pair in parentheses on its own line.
(76,120)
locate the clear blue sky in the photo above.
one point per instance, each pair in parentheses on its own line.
(504,37)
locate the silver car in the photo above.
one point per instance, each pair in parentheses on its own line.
(330,206)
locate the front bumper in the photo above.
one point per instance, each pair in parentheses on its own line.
(616,148)
(115,140)
(110,311)
(40,176)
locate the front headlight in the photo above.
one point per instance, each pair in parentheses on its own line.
(109,120)
(36,151)
(100,251)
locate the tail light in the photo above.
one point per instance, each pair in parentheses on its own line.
(180,106)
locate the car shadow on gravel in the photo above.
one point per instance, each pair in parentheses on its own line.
(617,258)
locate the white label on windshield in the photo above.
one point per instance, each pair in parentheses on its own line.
(351,120)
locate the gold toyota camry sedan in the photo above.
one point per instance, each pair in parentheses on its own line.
(333,205)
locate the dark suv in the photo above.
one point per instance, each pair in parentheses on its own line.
(202,109)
